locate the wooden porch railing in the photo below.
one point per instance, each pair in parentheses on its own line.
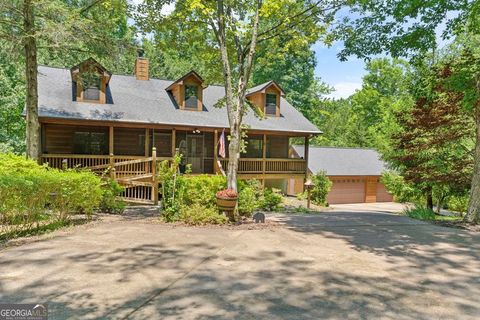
(138,174)
(260,166)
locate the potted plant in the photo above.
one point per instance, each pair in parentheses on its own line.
(227,201)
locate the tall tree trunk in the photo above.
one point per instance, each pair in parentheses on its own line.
(30,47)
(234,155)
(429,199)
(473,213)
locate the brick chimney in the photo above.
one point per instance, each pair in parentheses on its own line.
(141,66)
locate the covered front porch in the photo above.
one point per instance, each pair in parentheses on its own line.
(128,149)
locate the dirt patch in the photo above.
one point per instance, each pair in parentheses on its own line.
(458,225)
(295,205)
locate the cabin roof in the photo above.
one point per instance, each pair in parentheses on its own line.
(337,161)
(263,86)
(148,102)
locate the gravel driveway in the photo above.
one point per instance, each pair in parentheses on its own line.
(354,262)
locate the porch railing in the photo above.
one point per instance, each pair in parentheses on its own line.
(137,174)
(268,166)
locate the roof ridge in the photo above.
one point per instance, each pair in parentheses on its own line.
(126,75)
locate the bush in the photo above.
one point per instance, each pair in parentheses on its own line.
(321,188)
(401,190)
(250,193)
(200,215)
(201,189)
(110,202)
(458,203)
(271,200)
(420,213)
(27,190)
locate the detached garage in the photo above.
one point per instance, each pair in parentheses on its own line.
(355,174)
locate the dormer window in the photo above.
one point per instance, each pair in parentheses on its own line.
(271,104)
(191,97)
(188,92)
(266,97)
(90,82)
(91,88)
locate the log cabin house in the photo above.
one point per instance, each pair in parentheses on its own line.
(126,124)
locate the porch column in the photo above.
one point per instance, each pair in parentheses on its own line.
(264,155)
(305,156)
(174,141)
(147,142)
(215,151)
(110,140)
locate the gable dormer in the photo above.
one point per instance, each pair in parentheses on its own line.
(90,81)
(188,92)
(267,98)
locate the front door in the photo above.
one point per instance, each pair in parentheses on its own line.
(195,152)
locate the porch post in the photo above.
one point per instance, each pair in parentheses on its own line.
(147,141)
(154,176)
(215,151)
(174,141)
(305,157)
(110,140)
(264,155)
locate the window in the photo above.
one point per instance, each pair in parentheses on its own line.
(191,96)
(90,143)
(91,89)
(271,104)
(254,148)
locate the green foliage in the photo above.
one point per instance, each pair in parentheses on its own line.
(271,200)
(30,193)
(201,189)
(401,190)
(458,203)
(110,198)
(420,213)
(321,188)
(249,197)
(197,214)
(172,188)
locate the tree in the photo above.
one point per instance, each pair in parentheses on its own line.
(432,147)
(35,25)
(408,28)
(366,118)
(237,27)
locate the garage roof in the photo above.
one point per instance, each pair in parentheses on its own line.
(343,161)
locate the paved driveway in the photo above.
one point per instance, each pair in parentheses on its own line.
(354,262)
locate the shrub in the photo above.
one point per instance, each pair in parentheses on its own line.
(271,200)
(321,188)
(200,215)
(420,213)
(202,189)
(75,192)
(110,202)
(401,190)
(458,203)
(249,195)
(27,189)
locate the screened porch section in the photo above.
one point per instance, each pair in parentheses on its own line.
(95,146)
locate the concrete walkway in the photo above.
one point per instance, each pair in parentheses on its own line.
(343,264)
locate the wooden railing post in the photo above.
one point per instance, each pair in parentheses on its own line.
(112,166)
(154,176)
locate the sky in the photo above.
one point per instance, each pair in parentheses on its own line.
(344,77)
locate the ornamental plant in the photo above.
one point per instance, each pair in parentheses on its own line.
(227,193)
